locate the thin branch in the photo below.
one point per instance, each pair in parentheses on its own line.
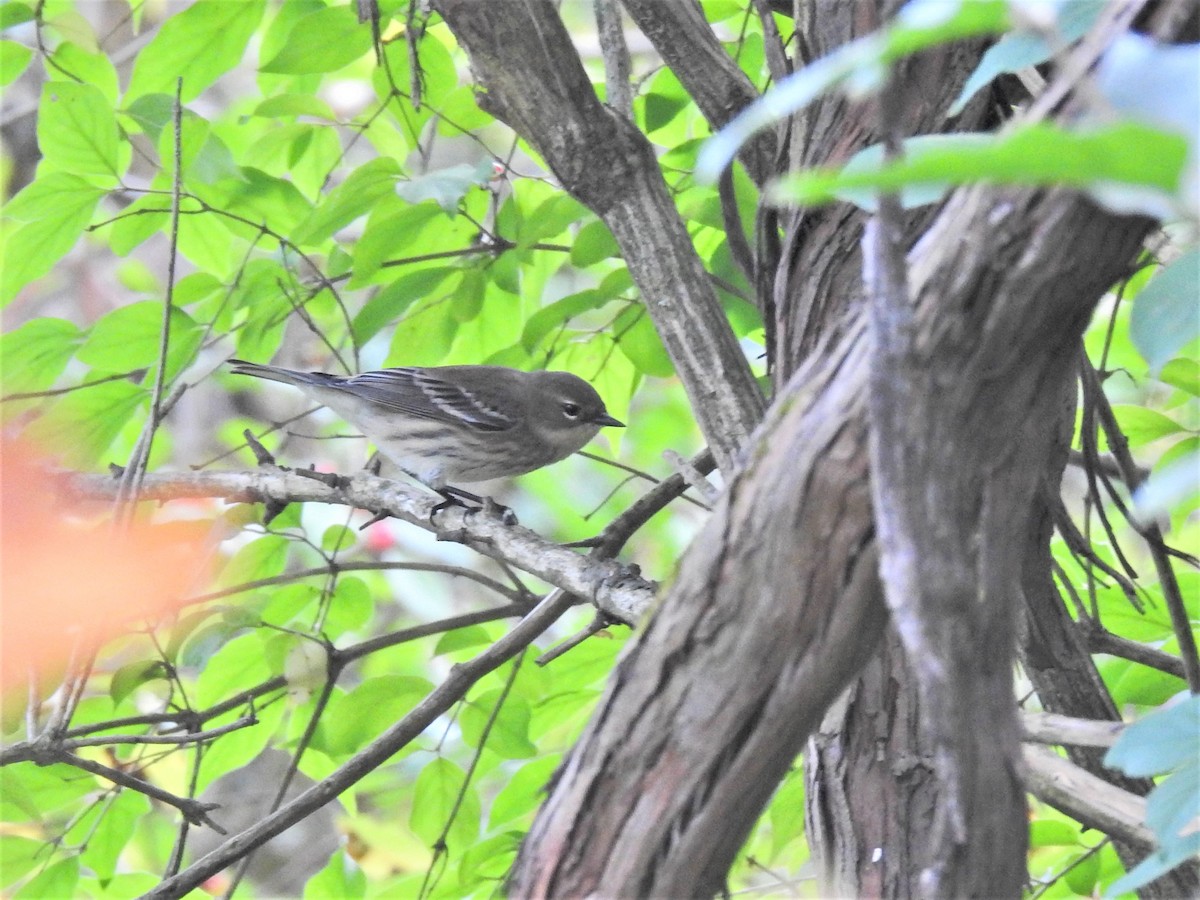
(1101,640)
(1151,533)
(461,678)
(193,810)
(1084,797)
(513,596)
(1051,728)
(617,67)
(616,589)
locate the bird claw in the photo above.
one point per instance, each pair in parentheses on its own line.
(486,505)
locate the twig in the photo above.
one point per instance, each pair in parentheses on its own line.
(193,810)
(461,678)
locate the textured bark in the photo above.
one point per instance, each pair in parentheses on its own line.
(868,770)
(777,604)
(707,713)
(870,786)
(741,658)
(530,76)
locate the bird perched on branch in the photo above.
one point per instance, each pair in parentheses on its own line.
(454,424)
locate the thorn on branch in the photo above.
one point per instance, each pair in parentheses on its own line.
(261,453)
(329,479)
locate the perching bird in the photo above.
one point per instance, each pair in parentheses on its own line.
(454,424)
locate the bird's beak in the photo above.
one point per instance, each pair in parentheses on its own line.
(606,419)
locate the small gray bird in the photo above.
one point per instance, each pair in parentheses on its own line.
(451,424)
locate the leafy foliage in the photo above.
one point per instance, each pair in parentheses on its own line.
(317,216)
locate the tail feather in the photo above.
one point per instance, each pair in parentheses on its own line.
(277,373)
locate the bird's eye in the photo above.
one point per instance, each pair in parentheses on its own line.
(571,410)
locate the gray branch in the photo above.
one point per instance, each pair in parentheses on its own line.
(617,590)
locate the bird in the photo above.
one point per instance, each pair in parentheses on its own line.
(449,425)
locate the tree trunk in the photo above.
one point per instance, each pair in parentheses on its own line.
(777,605)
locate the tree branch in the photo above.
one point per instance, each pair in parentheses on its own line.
(1086,798)
(615,589)
(460,680)
(530,77)
(685,40)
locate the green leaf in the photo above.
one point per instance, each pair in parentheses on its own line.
(550,219)
(359,194)
(286,105)
(390,302)
(1126,153)
(787,811)
(461,639)
(183,629)
(93,68)
(33,356)
(286,603)
(129,337)
(228,671)
(388,231)
(350,608)
(152,113)
(82,425)
(341,879)
(640,343)
(358,717)
(238,748)
(1159,742)
(1021,49)
(1143,425)
(423,337)
(446,187)
(593,243)
(20,855)
(14,58)
(435,794)
(857,68)
(524,791)
(260,197)
(1164,315)
(665,100)
(112,833)
(468,298)
(264,557)
(43,222)
(131,676)
(56,880)
(489,859)
(556,316)
(509,734)
(15,13)
(1053,833)
(33,792)
(1183,374)
(201,43)
(323,41)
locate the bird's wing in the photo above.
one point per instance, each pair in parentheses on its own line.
(420,392)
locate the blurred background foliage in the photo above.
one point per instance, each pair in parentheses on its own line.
(344,212)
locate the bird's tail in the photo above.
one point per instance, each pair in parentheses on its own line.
(277,373)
